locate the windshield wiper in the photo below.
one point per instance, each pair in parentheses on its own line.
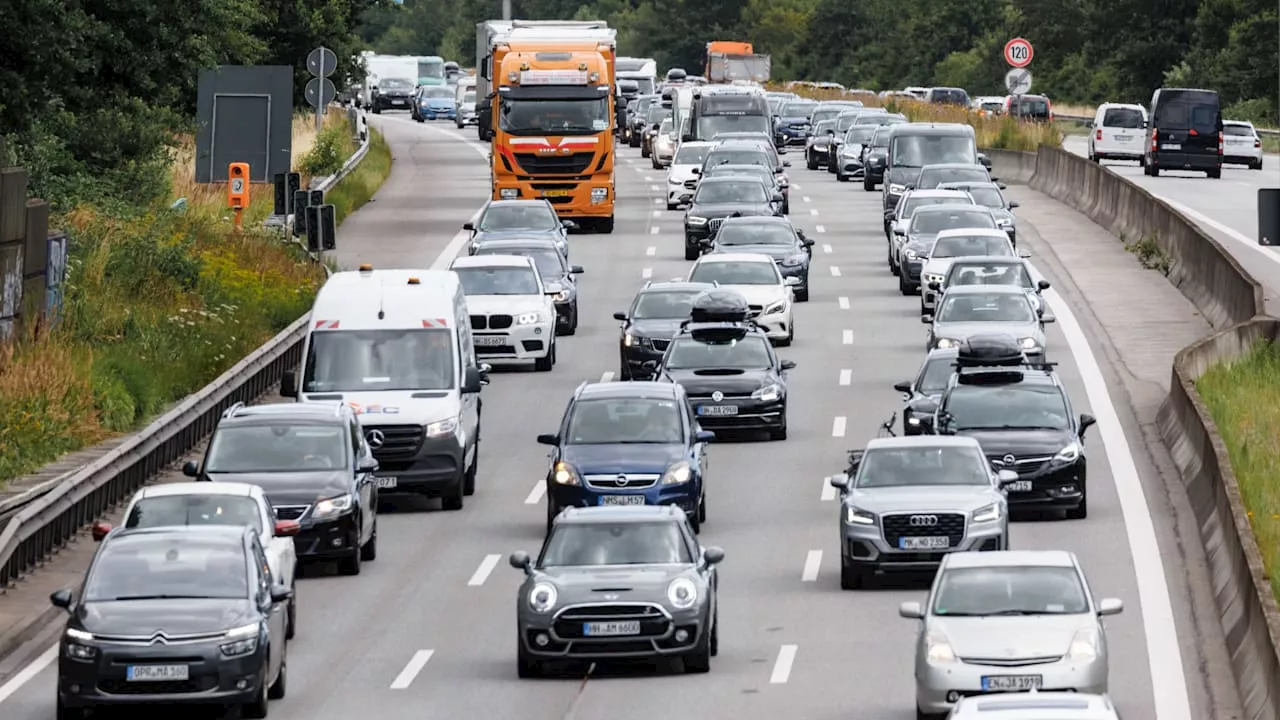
(1013,612)
(719,371)
(163,597)
(1021,427)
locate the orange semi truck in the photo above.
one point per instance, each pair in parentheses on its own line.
(554,116)
(729,61)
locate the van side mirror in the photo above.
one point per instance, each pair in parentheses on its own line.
(569,225)
(60,599)
(191,469)
(911,611)
(1086,421)
(469,226)
(548,439)
(1048,319)
(281,593)
(1006,477)
(785,163)
(839,482)
(1088,123)
(472,380)
(1042,285)
(576,270)
(367,466)
(100,530)
(1110,606)
(289,384)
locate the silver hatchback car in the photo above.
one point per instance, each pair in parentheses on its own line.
(1008,621)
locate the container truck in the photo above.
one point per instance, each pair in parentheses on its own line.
(486,31)
(728,61)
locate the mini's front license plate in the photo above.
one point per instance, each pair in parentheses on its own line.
(1011,683)
(1020,486)
(386,483)
(924,543)
(490,340)
(611,629)
(622,500)
(1171,146)
(556,193)
(717,410)
(160,673)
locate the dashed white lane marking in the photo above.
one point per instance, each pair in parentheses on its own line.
(646,273)
(837,426)
(653,231)
(606,376)
(835,271)
(419,661)
(846,337)
(649,178)
(651,251)
(846,377)
(844,302)
(813,211)
(782,666)
(826,248)
(820,228)
(812,564)
(655,188)
(828,492)
(657,201)
(657,213)
(794,186)
(806,198)
(535,495)
(482,573)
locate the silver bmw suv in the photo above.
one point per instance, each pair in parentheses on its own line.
(907,502)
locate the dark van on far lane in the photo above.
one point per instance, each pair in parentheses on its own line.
(1185,132)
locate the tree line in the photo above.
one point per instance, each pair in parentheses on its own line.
(1086,51)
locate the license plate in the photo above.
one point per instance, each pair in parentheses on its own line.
(611,629)
(622,500)
(556,193)
(397,102)
(386,483)
(152,673)
(1000,683)
(924,543)
(490,340)
(1123,138)
(1171,146)
(1020,486)
(720,410)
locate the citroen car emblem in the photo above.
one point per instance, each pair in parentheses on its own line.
(717,396)
(158,638)
(621,480)
(1008,459)
(375,438)
(923,520)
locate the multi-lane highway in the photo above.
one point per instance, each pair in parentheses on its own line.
(429,629)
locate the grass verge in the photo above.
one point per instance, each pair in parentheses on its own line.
(1243,398)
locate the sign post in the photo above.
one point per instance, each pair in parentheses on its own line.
(238,190)
(320,91)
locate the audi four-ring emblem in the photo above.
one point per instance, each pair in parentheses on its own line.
(375,438)
(923,520)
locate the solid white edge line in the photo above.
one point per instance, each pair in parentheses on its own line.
(535,495)
(606,376)
(782,666)
(828,492)
(846,337)
(24,675)
(844,302)
(812,564)
(838,426)
(410,671)
(846,377)
(1164,655)
(482,573)
(835,271)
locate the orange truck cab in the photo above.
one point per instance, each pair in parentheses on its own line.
(554,117)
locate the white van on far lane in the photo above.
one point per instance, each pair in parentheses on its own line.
(1118,132)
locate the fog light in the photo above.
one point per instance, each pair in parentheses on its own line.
(1067,489)
(75,689)
(953,697)
(682,635)
(541,640)
(242,684)
(537,331)
(509,193)
(336,542)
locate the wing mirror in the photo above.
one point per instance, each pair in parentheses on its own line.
(569,225)
(576,270)
(548,439)
(1088,124)
(289,384)
(705,436)
(926,319)
(1086,421)
(777,197)
(60,599)
(1110,606)
(1042,286)
(520,560)
(1014,204)
(281,593)
(1006,477)
(469,226)
(695,171)
(473,378)
(285,528)
(1024,254)
(552,288)
(1048,319)
(712,555)
(620,316)
(367,466)
(791,281)
(785,163)
(903,387)
(911,611)
(191,469)
(839,482)
(787,365)
(100,530)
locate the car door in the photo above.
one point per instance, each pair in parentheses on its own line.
(274,612)
(365,484)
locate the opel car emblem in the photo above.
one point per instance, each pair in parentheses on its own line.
(621,480)
(375,438)
(1008,459)
(717,396)
(923,520)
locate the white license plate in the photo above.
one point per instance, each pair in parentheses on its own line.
(1020,486)
(1123,138)
(1000,683)
(490,341)
(386,483)
(924,543)
(1171,146)
(397,102)
(622,500)
(611,629)
(152,673)
(717,410)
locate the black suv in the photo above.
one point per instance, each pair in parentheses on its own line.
(315,467)
(655,316)
(1022,416)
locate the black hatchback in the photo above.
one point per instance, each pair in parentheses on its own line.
(1186,132)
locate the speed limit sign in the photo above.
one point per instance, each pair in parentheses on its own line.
(1018,52)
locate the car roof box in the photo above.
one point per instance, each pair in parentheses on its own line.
(990,350)
(719,306)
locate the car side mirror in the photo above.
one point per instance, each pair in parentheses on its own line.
(1024,254)
(1014,204)
(1086,421)
(704,436)
(695,171)
(831,132)
(552,288)
(839,482)
(576,270)
(620,316)
(281,593)
(1042,285)
(472,380)
(911,611)
(785,163)
(927,319)
(1110,606)
(520,560)
(1048,319)
(569,224)
(712,555)
(367,466)
(191,469)
(934,285)
(548,439)
(787,365)
(903,387)
(100,530)
(1006,477)
(60,599)
(284,528)
(289,384)
(469,226)
(1000,185)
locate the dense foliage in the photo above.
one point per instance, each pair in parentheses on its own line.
(1087,51)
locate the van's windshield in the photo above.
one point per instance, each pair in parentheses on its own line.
(920,150)
(373,360)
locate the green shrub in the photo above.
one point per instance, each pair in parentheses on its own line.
(332,148)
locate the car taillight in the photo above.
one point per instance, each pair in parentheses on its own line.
(1154,134)
(1257,143)
(1220,143)
(1099,136)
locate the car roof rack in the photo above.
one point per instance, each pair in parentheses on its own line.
(231,411)
(994,358)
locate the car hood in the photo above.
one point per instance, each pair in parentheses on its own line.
(899,175)
(716,210)
(962,330)
(924,498)
(643,583)
(797,120)
(293,488)
(396,407)
(759,294)
(614,459)
(777,252)
(441,102)
(171,617)
(920,241)
(661,328)
(924,404)
(1010,637)
(507,304)
(680,173)
(483,236)
(697,382)
(938,266)
(1021,443)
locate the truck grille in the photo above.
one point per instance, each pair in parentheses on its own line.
(534,164)
(898,526)
(397,442)
(653,621)
(490,322)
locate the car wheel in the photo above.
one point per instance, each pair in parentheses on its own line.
(715,631)
(369,551)
(1082,511)
(257,709)
(1257,165)
(573,320)
(291,617)
(69,713)
(841,177)
(546,362)
(922,715)
(810,161)
(350,565)
(657,166)
(803,295)
(281,685)
(1214,174)
(851,578)
(1155,171)
(699,661)
(526,665)
(702,508)
(690,251)
(786,207)
(456,497)
(644,151)
(903,287)
(779,433)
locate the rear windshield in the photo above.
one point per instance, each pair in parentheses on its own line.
(1122,118)
(953,96)
(1197,111)
(1029,106)
(1239,130)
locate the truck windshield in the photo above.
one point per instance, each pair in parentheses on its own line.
(431,71)
(554,117)
(711,125)
(378,360)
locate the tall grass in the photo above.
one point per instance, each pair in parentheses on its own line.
(1243,397)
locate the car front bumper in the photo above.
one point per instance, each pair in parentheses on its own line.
(864,546)
(941,685)
(433,469)
(751,415)
(212,678)
(1053,486)
(560,635)
(520,343)
(683,495)
(330,538)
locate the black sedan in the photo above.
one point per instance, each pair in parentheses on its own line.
(875,156)
(718,198)
(921,393)
(648,325)
(772,236)
(174,616)
(554,268)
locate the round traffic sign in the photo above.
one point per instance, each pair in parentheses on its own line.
(1018,52)
(237,185)
(320,91)
(322,62)
(1018,81)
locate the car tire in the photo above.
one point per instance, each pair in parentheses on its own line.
(420,119)
(280,687)
(698,661)
(552,511)
(1081,511)
(810,161)
(350,565)
(691,251)
(291,610)
(1256,166)
(715,630)
(786,207)
(605,226)
(377,110)
(469,479)
(841,177)
(1214,174)
(922,715)
(803,295)
(644,150)
(1155,171)
(702,509)
(657,166)
(527,666)
(903,287)
(68,713)
(851,578)
(779,433)
(256,710)
(369,550)
(546,362)
(456,497)
(868,184)
(573,320)
(786,341)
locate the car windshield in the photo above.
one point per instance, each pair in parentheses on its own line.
(745,233)
(913,202)
(881,138)
(1010,590)
(630,543)
(186,510)
(498,280)
(933,177)
(657,113)
(745,156)
(914,466)
(970,246)
(794,110)
(665,128)
(748,353)
(859,134)
(990,274)
(550,264)
(439,92)
(954,96)
(921,150)
(937,221)
(993,106)
(1128,118)
(610,421)
(379,360)
(277,447)
(553,117)
(664,305)
(1006,407)
(986,196)
(711,125)
(691,155)
(996,307)
(749,191)
(827,113)
(533,216)
(144,567)
(395,84)
(469,98)
(735,273)
(937,373)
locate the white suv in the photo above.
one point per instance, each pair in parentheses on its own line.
(1118,132)
(513,313)
(688,157)
(1241,144)
(756,278)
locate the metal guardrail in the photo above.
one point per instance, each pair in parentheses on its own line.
(1082,119)
(44,518)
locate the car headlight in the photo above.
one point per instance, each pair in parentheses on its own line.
(441,428)
(784,181)
(775,307)
(768,393)
(896,189)
(673,180)
(241,641)
(794,260)
(677,474)
(938,648)
(1004,222)
(332,507)
(562,296)
(528,319)
(1028,343)
(854,516)
(682,593)
(944,343)
(695,221)
(1068,454)
(1084,646)
(821,147)
(932,278)
(76,649)
(509,193)
(542,597)
(990,513)
(630,340)
(911,254)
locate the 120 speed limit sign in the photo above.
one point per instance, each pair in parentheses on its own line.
(1018,52)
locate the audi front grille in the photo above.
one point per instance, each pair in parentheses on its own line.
(903,525)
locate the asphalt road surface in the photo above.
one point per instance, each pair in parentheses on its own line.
(428,630)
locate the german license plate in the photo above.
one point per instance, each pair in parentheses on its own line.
(1123,138)
(1020,486)
(924,543)
(556,193)
(386,483)
(490,340)
(1171,146)
(153,673)
(717,410)
(611,629)
(1005,683)
(397,102)
(622,500)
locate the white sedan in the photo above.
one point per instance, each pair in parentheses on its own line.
(755,277)
(1241,144)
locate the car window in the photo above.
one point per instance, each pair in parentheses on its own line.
(665,305)
(735,273)
(749,191)
(1028,106)
(1186,113)
(749,353)
(914,202)
(694,155)
(859,134)
(608,421)
(970,246)
(739,157)
(921,150)
(438,92)
(576,545)
(933,177)
(986,196)
(1010,590)
(984,407)
(498,280)
(534,216)
(797,109)
(1130,118)
(937,373)
(911,466)
(187,510)
(1002,274)
(755,171)
(550,264)
(370,360)
(996,307)
(276,447)
(265,580)
(144,566)
(933,222)
(745,233)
